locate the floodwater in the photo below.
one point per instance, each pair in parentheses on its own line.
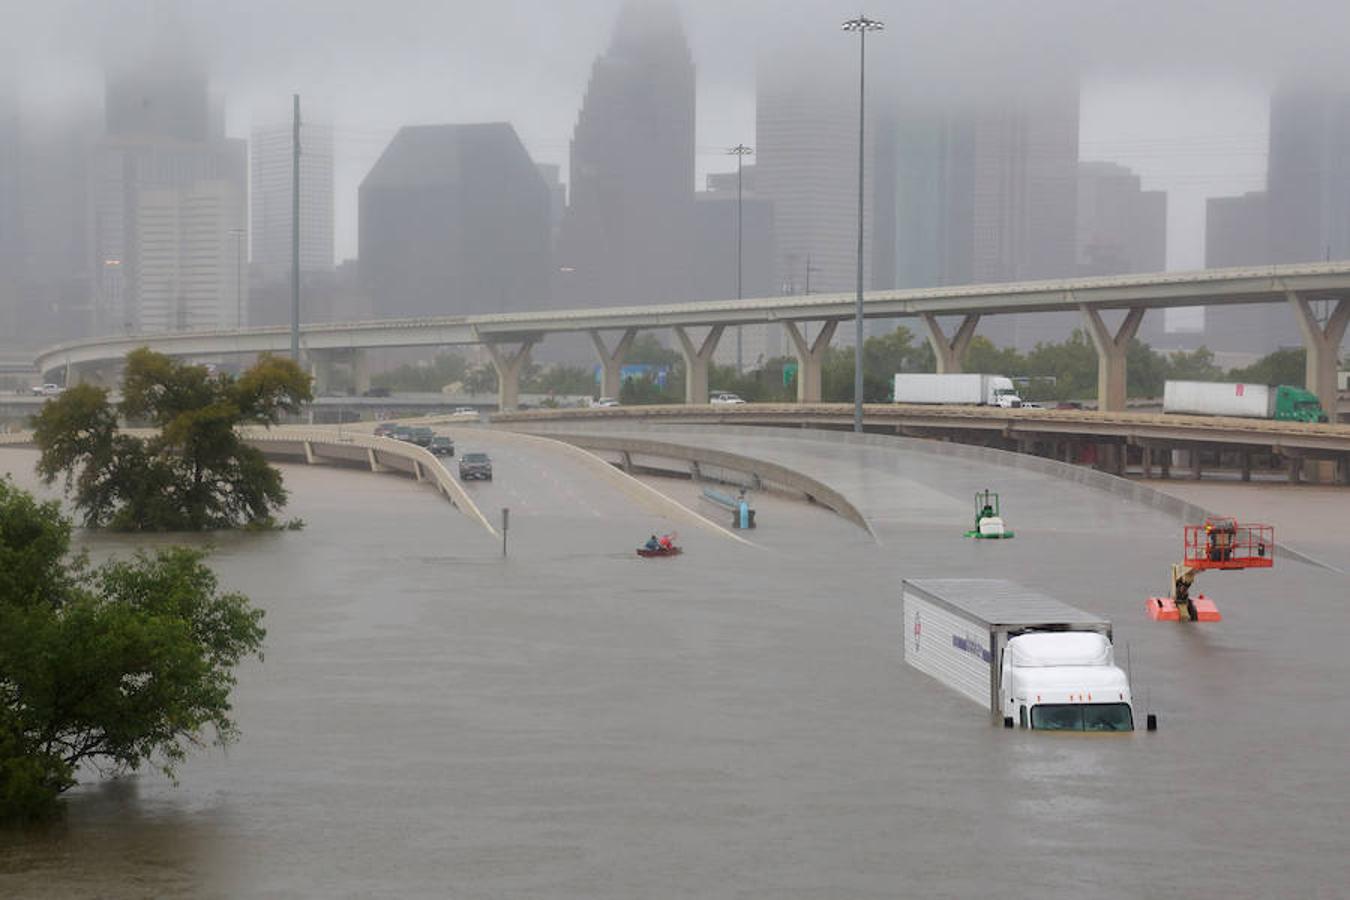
(434,721)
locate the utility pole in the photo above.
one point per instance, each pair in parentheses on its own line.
(295,233)
(862,25)
(740,151)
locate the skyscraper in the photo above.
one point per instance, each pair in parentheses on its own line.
(1308,178)
(168,195)
(271,201)
(806,163)
(11,221)
(1121,228)
(454,220)
(626,235)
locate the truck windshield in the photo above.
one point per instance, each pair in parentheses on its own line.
(1082,717)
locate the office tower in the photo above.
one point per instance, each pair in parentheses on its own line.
(168,194)
(271,201)
(1308,175)
(11,220)
(557,196)
(454,220)
(1121,228)
(626,236)
(806,164)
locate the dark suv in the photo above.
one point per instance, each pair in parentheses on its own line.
(421,436)
(442,446)
(475,465)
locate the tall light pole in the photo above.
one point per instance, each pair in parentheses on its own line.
(740,151)
(295,231)
(862,25)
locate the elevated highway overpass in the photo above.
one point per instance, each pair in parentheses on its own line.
(509,337)
(1108,440)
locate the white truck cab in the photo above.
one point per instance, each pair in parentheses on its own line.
(1064,681)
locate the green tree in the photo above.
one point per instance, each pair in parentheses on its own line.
(117,666)
(1146,370)
(446,368)
(1198,365)
(1280,367)
(196,472)
(560,379)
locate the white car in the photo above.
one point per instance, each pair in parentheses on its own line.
(604,403)
(47,390)
(464,411)
(725,399)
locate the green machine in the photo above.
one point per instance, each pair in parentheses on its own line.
(989,523)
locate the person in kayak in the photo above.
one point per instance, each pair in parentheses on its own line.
(653,543)
(666,543)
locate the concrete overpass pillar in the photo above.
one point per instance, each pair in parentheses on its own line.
(809,358)
(321,370)
(1111,351)
(360,371)
(611,361)
(696,362)
(1323,343)
(950,351)
(509,366)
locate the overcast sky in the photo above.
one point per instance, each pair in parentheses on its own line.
(1176,90)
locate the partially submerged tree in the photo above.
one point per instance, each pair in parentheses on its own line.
(127,663)
(196,473)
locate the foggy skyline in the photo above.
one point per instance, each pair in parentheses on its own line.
(1178,95)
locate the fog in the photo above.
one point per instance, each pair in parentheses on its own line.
(1177,92)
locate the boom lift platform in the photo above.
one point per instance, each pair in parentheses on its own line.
(1220,543)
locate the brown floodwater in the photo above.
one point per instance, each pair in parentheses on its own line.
(432,720)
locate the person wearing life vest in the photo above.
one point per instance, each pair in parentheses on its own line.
(666,543)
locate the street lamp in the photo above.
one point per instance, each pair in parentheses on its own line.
(740,151)
(862,25)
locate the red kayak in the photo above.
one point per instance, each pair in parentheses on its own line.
(660,551)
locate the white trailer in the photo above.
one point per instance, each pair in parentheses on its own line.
(961,388)
(1031,660)
(1206,398)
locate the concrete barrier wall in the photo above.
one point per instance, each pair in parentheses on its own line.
(662,447)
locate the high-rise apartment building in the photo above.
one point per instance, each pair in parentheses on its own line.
(188,274)
(626,236)
(1121,227)
(271,198)
(454,220)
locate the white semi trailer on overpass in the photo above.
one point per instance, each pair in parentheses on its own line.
(1033,661)
(957,388)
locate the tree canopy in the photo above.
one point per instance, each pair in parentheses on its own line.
(196,472)
(115,666)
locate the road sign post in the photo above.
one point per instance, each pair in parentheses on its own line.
(506,518)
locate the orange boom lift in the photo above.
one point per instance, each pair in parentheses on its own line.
(1220,543)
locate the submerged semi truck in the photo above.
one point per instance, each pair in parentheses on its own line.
(1248,401)
(959,388)
(1033,661)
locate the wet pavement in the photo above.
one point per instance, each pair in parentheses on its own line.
(432,720)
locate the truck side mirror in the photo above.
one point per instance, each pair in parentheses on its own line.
(1007,722)
(1151,722)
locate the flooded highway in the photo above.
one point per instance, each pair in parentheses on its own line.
(432,720)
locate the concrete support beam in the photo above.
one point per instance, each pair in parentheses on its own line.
(373,460)
(950,352)
(1246,457)
(810,357)
(611,361)
(509,366)
(417,471)
(696,358)
(1146,460)
(320,370)
(360,371)
(1195,463)
(310,458)
(1111,350)
(1323,343)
